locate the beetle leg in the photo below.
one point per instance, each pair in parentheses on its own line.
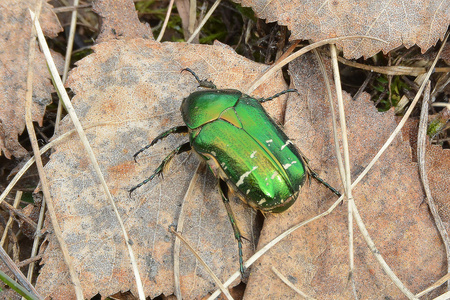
(180,149)
(262,100)
(177,129)
(316,177)
(202,83)
(223,189)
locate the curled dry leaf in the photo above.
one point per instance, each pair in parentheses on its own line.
(15,22)
(135,89)
(397,22)
(315,258)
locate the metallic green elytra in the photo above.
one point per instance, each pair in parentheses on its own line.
(244,148)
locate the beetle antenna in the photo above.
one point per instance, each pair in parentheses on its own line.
(202,83)
(262,100)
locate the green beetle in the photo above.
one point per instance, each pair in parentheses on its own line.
(244,148)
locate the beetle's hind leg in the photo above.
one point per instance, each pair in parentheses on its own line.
(180,149)
(316,177)
(177,129)
(223,189)
(262,100)
(202,83)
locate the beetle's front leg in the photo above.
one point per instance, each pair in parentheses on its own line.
(177,129)
(223,189)
(180,149)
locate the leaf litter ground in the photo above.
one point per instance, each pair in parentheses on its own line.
(315,257)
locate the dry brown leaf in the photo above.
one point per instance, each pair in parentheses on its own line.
(437,167)
(15,22)
(120,21)
(397,22)
(315,258)
(136,87)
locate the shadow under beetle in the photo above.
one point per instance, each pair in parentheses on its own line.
(244,148)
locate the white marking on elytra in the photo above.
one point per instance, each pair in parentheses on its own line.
(213,153)
(262,201)
(286,166)
(222,164)
(269,141)
(248,191)
(253,154)
(287,143)
(274,175)
(245,175)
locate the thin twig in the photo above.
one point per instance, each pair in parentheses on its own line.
(333,116)
(208,269)
(207,16)
(378,256)
(363,86)
(10,219)
(31,161)
(17,273)
(166,21)
(435,285)
(421,152)
(347,174)
(42,176)
(90,152)
(70,8)
(192,16)
(441,104)
(271,70)
(391,70)
(37,238)
(73,25)
(83,20)
(176,248)
(444,296)
(272,243)
(28,261)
